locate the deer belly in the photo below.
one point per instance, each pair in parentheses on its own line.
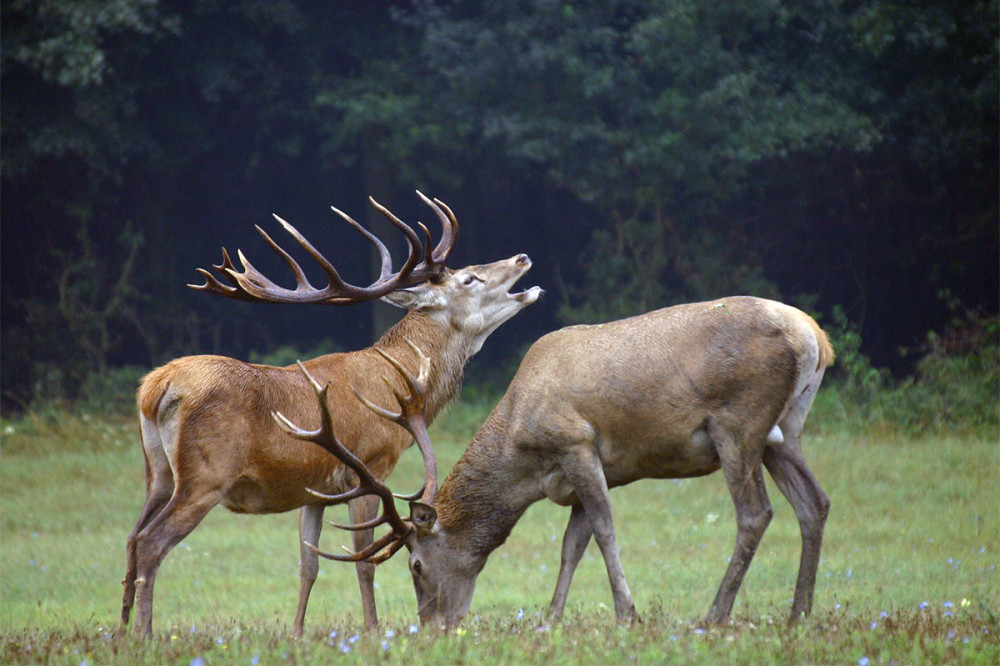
(679,458)
(249,496)
(246,497)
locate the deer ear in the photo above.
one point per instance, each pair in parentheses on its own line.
(415,298)
(423,517)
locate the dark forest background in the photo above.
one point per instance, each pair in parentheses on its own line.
(839,155)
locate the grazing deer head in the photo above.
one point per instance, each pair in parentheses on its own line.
(207,432)
(679,392)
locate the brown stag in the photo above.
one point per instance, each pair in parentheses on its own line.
(206,426)
(679,392)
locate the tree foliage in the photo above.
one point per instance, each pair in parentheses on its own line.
(643,152)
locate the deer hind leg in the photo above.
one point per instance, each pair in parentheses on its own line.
(310,527)
(787,466)
(745,479)
(159,488)
(789,470)
(584,471)
(578,533)
(186,508)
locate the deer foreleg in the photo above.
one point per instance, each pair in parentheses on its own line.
(310,527)
(584,471)
(362,509)
(578,533)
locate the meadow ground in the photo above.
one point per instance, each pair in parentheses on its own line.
(908,573)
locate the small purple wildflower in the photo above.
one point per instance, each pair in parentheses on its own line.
(864,661)
(414,628)
(874,625)
(923,605)
(198,661)
(948,604)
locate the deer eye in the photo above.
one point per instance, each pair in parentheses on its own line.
(470,278)
(417,566)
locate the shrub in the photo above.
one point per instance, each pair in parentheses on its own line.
(955,386)
(957,382)
(289,354)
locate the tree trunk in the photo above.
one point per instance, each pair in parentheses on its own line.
(378,184)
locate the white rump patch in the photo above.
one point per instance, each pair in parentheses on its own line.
(775,436)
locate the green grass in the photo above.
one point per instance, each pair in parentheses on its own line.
(908,573)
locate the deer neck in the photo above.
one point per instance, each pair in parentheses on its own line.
(447,348)
(486,493)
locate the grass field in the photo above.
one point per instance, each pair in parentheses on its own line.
(908,573)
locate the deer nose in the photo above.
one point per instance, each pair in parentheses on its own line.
(522,259)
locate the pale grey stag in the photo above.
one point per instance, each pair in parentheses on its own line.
(680,392)
(207,432)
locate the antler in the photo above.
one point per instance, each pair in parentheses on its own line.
(251,285)
(411,417)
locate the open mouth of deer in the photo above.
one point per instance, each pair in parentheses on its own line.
(528,296)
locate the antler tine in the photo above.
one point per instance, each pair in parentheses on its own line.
(214,286)
(338,497)
(337,285)
(371,553)
(412,240)
(357,527)
(302,283)
(383,252)
(449,224)
(428,253)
